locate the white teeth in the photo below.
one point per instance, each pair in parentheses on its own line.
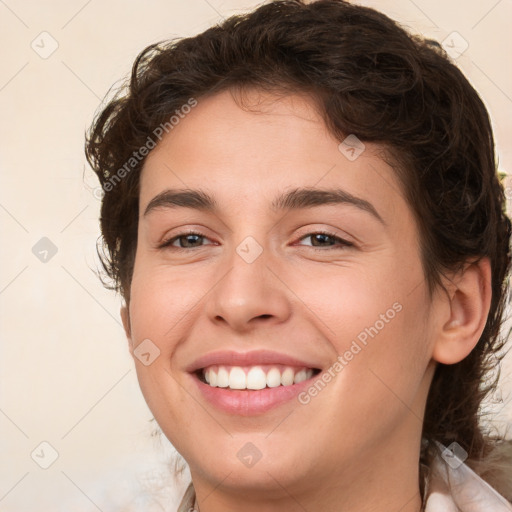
(303,375)
(256,378)
(222,378)
(299,376)
(213,378)
(287,377)
(235,377)
(273,378)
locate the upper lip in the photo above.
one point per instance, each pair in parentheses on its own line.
(252,358)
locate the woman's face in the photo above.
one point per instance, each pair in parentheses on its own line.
(258,297)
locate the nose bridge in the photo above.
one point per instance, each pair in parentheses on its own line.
(248,288)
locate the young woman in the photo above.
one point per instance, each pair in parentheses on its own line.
(303,215)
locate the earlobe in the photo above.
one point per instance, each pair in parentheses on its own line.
(125,317)
(469,303)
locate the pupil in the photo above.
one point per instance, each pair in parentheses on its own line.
(321,236)
(187,238)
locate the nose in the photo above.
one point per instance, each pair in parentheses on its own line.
(250,291)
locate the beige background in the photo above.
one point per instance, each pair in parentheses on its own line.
(66,375)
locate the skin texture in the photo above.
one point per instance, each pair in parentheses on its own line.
(355,445)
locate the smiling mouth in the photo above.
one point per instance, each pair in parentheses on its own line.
(254,377)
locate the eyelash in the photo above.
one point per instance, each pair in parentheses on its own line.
(167,244)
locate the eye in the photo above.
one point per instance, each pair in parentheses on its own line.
(322,238)
(193,239)
(190,239)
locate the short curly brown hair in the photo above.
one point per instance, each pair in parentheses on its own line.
(370,78)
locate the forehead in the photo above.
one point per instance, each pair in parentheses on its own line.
(257,144)
(245,125)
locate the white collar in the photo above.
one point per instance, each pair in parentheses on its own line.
(455,487)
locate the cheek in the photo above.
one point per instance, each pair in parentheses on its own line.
(351,303)
(377,329)
(387,374)
(160,306)
(379,378)
(162,303)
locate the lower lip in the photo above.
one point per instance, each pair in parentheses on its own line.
(245,402)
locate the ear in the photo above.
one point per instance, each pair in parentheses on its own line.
(125,316)
(464,315)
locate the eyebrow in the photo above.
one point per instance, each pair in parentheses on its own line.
(296,199)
